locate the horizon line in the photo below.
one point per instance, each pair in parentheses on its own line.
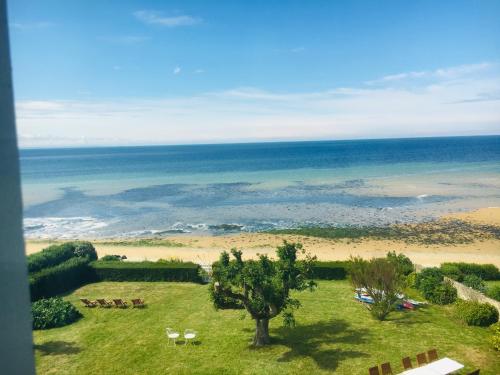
(240,142)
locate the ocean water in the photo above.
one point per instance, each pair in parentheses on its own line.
(214,189)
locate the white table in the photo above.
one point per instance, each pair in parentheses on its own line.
(442,366)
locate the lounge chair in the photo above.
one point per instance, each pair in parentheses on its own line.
(172,335)
(88,303)
(407,363)
(421,359)
(138,302)
(386,368)
(120,303)
(104,303)
(189,336)
(432,355)
(373,370)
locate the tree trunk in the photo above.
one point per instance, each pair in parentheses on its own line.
(261,337)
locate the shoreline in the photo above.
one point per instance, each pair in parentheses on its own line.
(206,249)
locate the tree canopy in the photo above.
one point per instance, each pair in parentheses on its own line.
(262,286)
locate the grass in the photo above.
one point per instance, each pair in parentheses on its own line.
(334,334)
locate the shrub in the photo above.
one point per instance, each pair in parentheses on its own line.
(474,313)
(495,338)
(484,271)
(427,280)
(402,262)
(443,294)
(411,280)
(474,282)
(85,249)
(330,270)
(50,256)
(53,312)
(146,271)
(111,258)
(381,280)
(494,292)
(61,278)
(452,271)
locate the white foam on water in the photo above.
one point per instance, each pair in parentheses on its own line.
(61,227)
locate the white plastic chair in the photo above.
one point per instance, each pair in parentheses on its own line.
(189,336)
(172,335)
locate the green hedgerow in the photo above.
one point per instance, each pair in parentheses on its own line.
(474,282)
(494,292)
(474,313)
(53,312)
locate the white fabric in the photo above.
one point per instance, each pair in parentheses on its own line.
(442,366)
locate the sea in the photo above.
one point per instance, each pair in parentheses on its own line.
(159,191)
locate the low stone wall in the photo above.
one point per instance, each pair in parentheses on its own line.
(467,293)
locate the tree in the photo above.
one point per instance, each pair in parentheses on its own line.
(382,281)
(262,286)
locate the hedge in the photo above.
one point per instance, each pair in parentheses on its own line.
(146,271)
(474,313)
(50,257)
(336,270)
(458,271)
(55,280)
(53,312)
(57,254)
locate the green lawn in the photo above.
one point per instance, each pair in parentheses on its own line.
(333,334)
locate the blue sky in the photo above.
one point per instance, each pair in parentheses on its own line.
(128,72)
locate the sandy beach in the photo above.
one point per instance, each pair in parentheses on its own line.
(204,249)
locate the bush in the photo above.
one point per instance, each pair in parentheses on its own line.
(85,249)
(484,271)
(452,271)
(495,338)
(494,292)
(61,278)
(474,282)
(146,271)
(330,270)
(476,314)
(50,257)
(57,254)
(411,280)
(402,262)
(427,280)
(443,294)
(53,312)
(111,258)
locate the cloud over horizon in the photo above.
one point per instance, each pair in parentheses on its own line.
(157,18)
(458,100)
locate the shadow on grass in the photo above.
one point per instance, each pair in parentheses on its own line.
(319,342)
(418,316)
(57,347)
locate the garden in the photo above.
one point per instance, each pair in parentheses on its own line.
(331,331)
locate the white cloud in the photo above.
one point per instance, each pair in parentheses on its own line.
(199,71)
(457,102)
(177,70)
(157,18)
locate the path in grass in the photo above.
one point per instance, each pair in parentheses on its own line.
(334,334)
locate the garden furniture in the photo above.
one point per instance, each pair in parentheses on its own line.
(88,303)
(432,354)
(104,303)
(138,302)
(120,303)
(172,335)
(386,368)
(189,335)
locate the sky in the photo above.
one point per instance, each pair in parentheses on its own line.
(127,72)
